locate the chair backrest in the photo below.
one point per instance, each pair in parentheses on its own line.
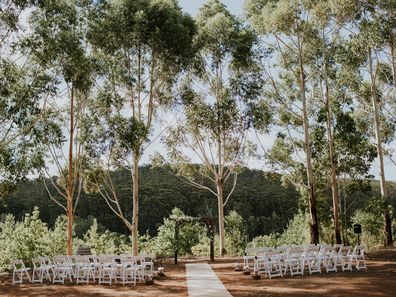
(329,251)
(312,249)
(60,259)
(337,247)
(38,262)
(344,251)
(261,252)
(106,260)
(359,250)
(81,260)
(296,250)
(250,251)
(45,260)
(282,249)
(271,255)
(18,264)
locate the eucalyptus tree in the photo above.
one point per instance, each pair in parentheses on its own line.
(372,74)
(217,96)
(329,33)
(285,26)
(142,46)
(57,43)
(23,89)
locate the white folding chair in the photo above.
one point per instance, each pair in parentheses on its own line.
(282,252)
(47,264)
(139,268)
(358,257)
(82,269)
(147,261)
(329,258)
(129,270)
(274,264)
(344,259)
(250,256)
(18,271)
(295,260)
(40,270)
(61,270)
(71,263)
(260,265)
(312,259)
(106,270)
(94,264)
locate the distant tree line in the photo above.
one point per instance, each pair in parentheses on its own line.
(262,201)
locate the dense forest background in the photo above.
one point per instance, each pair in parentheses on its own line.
(260,198)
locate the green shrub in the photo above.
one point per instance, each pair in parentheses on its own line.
(164,243)
(30,238)
(296,233)
(264,241)
(106,242)
(82,225)
(371,219)
(235,227)
(235,238)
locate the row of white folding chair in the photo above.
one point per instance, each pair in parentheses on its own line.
(145,260)
(63,267)
(129,270)
(277,263)
(83,268)
(253,253)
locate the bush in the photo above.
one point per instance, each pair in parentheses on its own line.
(164,243)
(235,227)
(30,238)
(82,225)
(106,242)
(235,238)
(371,219)
(296,233)
(264,241)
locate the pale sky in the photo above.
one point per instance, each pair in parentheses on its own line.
(192,6)
(236,7)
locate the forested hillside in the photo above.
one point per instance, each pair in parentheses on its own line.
(263,202)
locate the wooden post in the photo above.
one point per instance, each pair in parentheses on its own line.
(176,239)
(211,234)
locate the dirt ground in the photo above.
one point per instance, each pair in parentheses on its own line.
(379,280)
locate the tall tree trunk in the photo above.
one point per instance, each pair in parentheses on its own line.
(393,64)
(314,230)
(69,208)
(220,206)
(333,175)
(377,124)
(135,215)
(330,138)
